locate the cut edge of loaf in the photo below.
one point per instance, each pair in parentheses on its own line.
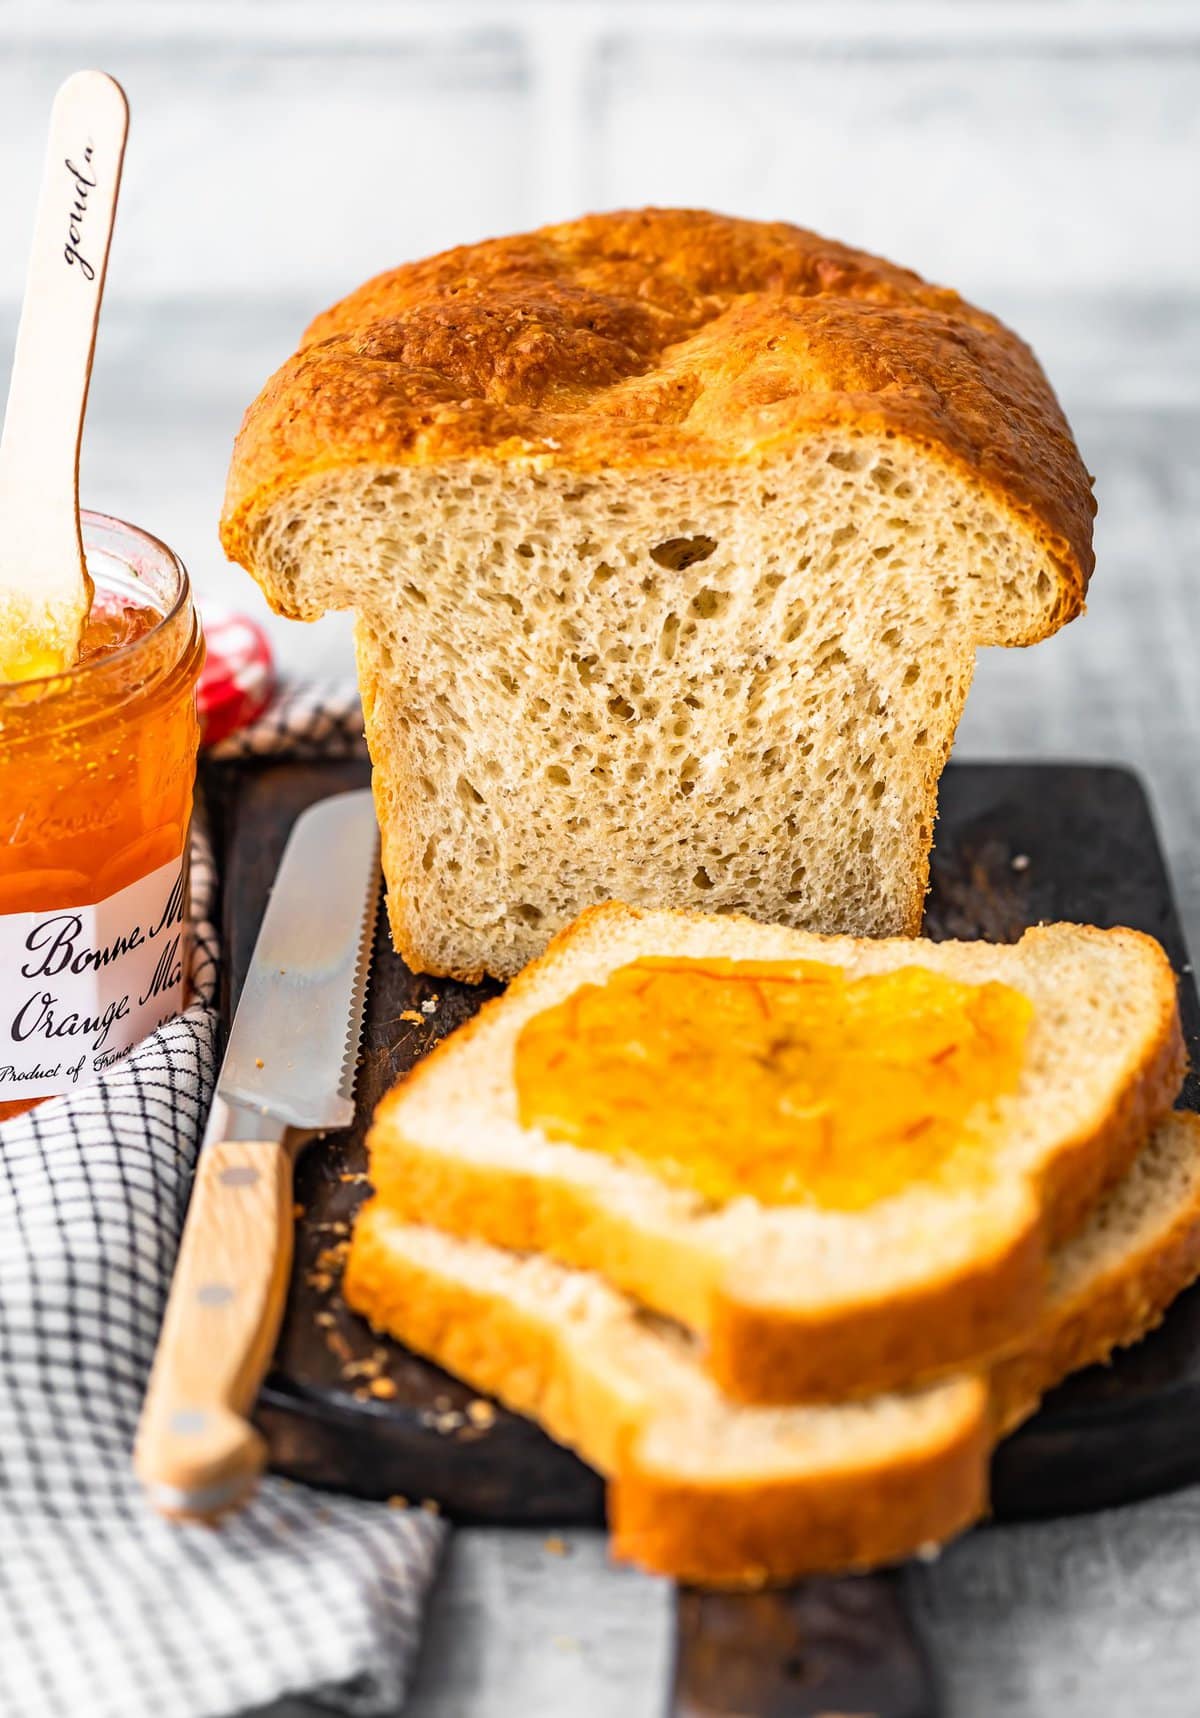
(565,1347)
(557,714)
(905,1316)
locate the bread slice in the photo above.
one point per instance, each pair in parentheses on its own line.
(671,539)
(797,1302)
(720,1494)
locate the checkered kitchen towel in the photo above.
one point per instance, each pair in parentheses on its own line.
(106,1611)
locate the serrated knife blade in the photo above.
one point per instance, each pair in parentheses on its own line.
(293,1045)
(288,1073)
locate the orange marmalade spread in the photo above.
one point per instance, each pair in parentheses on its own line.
(788,1082)
(97,766)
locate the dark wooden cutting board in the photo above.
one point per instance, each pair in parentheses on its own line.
(1016,844)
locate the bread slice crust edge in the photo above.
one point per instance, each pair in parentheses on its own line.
(838,1513)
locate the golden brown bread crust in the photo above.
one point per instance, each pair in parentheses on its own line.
(1089,1326)
(745,1531)
(1087,1167)
(755,1535)
(752,1532)
(759,1354)
(662,338)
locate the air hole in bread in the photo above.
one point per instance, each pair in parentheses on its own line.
(505,597)
(679,553)
(468,792)
(621,707)
(707,603)
(846,459)
(702,880)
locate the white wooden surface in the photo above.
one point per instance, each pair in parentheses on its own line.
(1040,154)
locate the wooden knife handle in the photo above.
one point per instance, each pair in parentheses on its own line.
(197,1453)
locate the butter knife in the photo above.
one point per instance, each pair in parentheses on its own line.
(288,1075)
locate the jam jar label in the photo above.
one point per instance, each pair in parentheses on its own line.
(80,986)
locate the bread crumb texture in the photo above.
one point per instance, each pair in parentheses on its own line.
(671,538)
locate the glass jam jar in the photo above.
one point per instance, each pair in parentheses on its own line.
(97,771)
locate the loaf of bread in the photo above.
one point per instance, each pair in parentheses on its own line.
(798,1300)
(671,539)
(720,1494)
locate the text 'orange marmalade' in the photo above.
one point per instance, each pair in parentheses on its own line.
(97,770)
(788,1082)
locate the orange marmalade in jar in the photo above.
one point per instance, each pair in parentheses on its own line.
(97,770)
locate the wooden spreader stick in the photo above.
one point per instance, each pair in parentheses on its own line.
(45,592)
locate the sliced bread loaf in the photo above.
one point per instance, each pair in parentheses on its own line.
(671,539)
(795,1301)
(716,1493)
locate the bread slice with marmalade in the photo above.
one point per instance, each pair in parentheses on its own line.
(717,1493)
(798,1300)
